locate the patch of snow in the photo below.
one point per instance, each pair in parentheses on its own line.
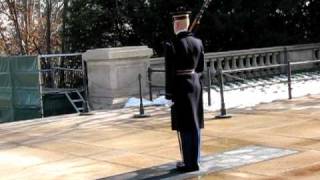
(135,102)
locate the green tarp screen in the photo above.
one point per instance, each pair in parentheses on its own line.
(19,88)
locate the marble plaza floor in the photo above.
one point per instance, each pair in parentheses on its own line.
(279,140)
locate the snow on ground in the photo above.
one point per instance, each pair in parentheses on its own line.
(239,95)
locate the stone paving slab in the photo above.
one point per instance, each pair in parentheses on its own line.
(284,165)
(113,142)
(209,164)
(70,168)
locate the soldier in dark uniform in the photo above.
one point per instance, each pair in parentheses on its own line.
(184,66)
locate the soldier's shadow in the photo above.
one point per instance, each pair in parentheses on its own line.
(166,171)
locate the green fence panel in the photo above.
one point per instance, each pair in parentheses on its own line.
(24,63)
(6,105)
(19,88)
(5,97)
(26,113)
(26,88)
(6,114)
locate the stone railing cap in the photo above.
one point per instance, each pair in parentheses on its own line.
(127,52)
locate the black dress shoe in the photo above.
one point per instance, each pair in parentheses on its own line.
(179,164)
(188,168)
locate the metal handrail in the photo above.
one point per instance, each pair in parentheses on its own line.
(253,68)
(67,69)
(305,62)
(289,81)
(157,70)
(59,55)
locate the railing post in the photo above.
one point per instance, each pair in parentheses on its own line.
(288,72)
(223,111)
(209,82)
(41,86)
(86,108)
(289,79)
(141,109)
(150,83)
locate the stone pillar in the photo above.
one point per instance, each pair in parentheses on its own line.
(113,74)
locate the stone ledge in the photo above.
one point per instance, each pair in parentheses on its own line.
(129,52)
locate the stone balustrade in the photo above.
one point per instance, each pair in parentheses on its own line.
(232,60)
(251,58)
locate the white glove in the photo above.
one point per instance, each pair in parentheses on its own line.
(169,103)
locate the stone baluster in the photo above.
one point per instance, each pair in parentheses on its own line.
(268,57)
(241,62)
(219,60)
(249,60)
(275,60)
(223,62)
(226,66)
(212,65)
(314,53)
(317,56)
(255,64)
(234,63)
(241,66)
(254,60)
(227,63)
(262,62)
(214,70)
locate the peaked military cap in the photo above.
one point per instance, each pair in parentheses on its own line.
(180,13)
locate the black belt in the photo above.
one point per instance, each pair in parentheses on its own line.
(185,71)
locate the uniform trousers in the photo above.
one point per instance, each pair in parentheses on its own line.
(190,143)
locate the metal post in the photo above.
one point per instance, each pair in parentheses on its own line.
(209,82)
(288,72)
(289,79)
(223,111)
(85,105)
(52,72)
(141,109)
(150,83)
(40,87)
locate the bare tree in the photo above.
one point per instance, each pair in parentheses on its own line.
(30,26)
(48,25)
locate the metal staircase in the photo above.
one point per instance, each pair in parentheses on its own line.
(76,100)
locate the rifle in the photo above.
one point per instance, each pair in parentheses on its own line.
(196,21)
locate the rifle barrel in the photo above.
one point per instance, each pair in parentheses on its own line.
(196,21)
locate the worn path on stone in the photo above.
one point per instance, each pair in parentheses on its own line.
(110,143)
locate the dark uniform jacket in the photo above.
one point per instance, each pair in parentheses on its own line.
(185,90)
